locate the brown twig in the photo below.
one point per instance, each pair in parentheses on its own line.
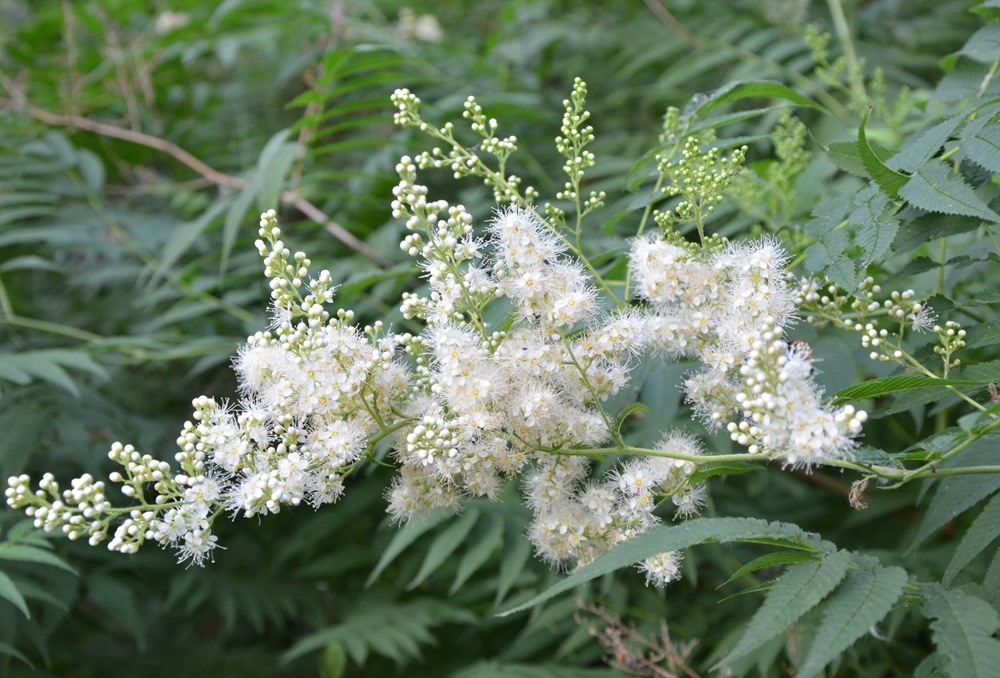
(634,653)
(216,177)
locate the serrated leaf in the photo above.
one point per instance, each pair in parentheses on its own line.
(933,188)
(991,582)
(984,148)
(981,533)
(876,388)
(675,537)
(956,494)
(828,258)
(444,545)
(796,592)
(712,469)
(769,560)
(983,47)
(864,598)
(924,145)
(873,223)
(845,155)
(963,629)
(887,179)
(982,373)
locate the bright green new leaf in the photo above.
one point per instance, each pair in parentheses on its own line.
(876,388)
(887,179)
(749,89)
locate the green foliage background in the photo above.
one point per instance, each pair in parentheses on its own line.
(128,278)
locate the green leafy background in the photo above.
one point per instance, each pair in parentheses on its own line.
(128,278)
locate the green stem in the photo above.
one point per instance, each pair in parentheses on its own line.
(846,42)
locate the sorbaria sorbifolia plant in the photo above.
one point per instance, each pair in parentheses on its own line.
(523,344)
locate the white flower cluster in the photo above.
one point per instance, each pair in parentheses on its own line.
(729,309)
(510,376)
(313,389)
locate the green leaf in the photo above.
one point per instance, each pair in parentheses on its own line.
(23,553)
(10,650)
(485,544)
(516,554)
(887,179)
(864,598)
(264,187)
(934,188)
(748,89)
(876,388)
(675,537)
(9,591)
(394,630)
(984,148)
(402,540)
(924,145)
(873,223)
(796,592)
(444,545)
(333,661)
(626,412)
(770,560)
(984,529)
(963,629)
(956,494)
(118,602)
(983,47)
(729,468)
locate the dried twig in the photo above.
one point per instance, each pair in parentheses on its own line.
(633,652)
(16,102)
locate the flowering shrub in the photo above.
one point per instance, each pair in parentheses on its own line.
(470,403)
(520,348)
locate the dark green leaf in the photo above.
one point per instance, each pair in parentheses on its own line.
(984,529)
(934,188)
(9,591)
(956,494)
(445,544)
(862,600)
(672,538)
(963,629)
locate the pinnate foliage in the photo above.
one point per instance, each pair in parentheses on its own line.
(879,220)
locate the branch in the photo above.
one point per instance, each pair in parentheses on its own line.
(213,175)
